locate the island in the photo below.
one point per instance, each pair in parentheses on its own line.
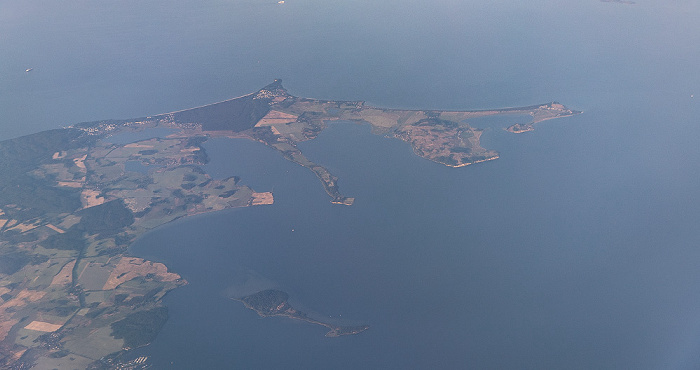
(273,302)
(72,200)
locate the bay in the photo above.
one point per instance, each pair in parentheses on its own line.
(576,249)
(506,264)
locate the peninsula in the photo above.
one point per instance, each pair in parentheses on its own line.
(279,120)
(72,200)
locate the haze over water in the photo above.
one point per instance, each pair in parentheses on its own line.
(578,248)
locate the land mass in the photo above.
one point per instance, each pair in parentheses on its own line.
(272,302)
(279,120)
(72,201)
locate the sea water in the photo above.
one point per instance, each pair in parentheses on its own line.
(577,248)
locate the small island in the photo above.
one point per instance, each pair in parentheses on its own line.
(273,302)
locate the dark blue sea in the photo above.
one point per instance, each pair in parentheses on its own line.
(577,249)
